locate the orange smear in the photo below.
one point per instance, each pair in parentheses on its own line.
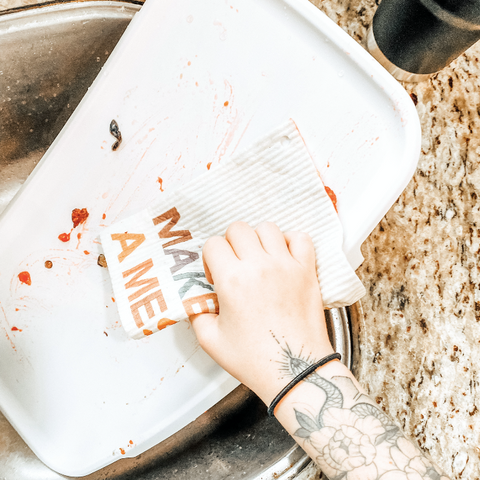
(104,217)
(16,309)
(147,332)
(64,237)
(165,322)
(79,216)
(86,252)
(225,104)
(15,329)
(332,196)
(113,300)
(209,164)
(79,236)
(131,442)
(160,181)
(24,277)
(122,451)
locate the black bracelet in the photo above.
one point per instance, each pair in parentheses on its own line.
(299,378)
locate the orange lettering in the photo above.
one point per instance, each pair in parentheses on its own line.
(136,238)
(147,303)
(149,283)
(201,301)
(167,232)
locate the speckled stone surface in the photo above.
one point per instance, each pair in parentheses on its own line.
(418,334)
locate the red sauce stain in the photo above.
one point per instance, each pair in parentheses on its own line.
(86,252)
(160,182)
(64,237)
(131,442)
(113,300)
(15,329)
(104,217)
(165,322)
(332,196)
(79,236)
(147,332)
(225,104)
(79,216)
(24,277)
(122,451)
(209,164)
(16,309)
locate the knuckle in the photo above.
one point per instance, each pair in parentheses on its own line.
(210,243)
(303,236)
(236,227)
(266,225)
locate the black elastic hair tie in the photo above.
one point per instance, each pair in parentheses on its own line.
(299,378)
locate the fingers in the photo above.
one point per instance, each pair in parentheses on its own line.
(301,248)
(217,256)
(243,240)
(272,239)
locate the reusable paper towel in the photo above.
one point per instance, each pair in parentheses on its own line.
(155,257)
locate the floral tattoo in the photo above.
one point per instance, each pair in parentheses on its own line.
(358,442)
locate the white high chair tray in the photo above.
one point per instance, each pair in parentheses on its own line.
(189,83)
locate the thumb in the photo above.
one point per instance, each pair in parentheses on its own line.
(205,328)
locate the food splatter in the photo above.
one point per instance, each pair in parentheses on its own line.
(79,215)
(130,442)
(122,451)
(147,332)
(24,277)
(209,164)
(225,104)
(160,182)
(332,196)
(86,252)
(165,322)
(115,131)
(104,217)
(15,329)
(48,264)
(102,261)
(64,237)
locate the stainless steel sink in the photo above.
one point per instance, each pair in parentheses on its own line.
(49,55)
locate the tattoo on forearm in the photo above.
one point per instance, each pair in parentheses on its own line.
(356,441)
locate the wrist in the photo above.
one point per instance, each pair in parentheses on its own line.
(300,377)
(285,369)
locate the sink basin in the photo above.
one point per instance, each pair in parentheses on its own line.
(49,55)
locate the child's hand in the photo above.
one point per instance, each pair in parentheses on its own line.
(268,292)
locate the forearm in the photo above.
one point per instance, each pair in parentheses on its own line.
(346,434)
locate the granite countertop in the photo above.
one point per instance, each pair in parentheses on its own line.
(417,335)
